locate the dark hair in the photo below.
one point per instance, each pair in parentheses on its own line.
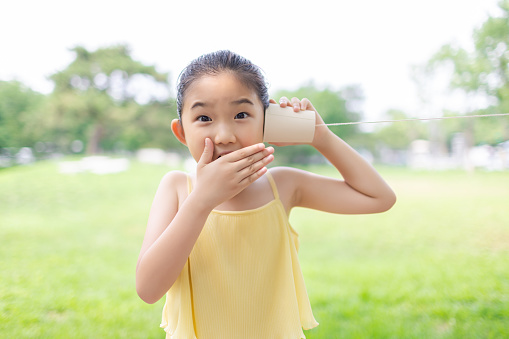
(217,62)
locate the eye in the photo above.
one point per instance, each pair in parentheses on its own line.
(203,118)
(241,115)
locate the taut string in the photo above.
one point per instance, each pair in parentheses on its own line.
(413,119)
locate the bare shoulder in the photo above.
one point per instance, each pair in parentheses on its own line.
(286,175)
(174,183)
(174,178)
(291,176)
(169,196)
(287,180)
(300,188)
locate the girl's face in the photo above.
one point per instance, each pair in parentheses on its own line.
(222,108)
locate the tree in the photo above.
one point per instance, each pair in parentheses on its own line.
(398,136)
(148,126)
(18,108)
(100,91)
(482,74)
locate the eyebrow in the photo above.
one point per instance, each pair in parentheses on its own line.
(242,101)
(234,102)
(198,104)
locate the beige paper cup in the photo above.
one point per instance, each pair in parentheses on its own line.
(285,125)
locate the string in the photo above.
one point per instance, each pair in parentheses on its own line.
(413,119)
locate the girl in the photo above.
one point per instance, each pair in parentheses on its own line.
(218,243)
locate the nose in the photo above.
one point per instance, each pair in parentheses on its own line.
(224,134)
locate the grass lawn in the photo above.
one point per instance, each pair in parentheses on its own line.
(435,266)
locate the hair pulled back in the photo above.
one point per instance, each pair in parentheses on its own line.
(218,62)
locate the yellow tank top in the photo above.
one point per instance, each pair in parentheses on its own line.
(241,280)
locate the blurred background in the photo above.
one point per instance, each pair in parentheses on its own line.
(87,94)
(100,77)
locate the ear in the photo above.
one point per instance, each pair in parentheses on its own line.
(178,131)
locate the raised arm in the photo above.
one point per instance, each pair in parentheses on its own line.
(362,189)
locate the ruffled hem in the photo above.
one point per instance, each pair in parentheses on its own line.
(171,333)
(310,326)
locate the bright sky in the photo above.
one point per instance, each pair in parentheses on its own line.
(336,43)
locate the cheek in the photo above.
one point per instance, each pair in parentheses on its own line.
(250,133)
(197,148)
(195,142)
(259,130)
(258,138)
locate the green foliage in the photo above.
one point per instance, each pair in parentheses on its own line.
(484,71)
(96,99)
(108,100)
(435,266)
(18,107)
(106,69)
(400,135)
(146,126)
(487,131)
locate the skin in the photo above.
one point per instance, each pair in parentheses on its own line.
(222,125)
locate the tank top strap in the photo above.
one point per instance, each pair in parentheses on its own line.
(272,185)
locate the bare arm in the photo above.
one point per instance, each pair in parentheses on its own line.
(362,191)
(172,231)
(170,236)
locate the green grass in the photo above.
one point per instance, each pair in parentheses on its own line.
(435,266)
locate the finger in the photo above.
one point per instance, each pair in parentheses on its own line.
(283,102)
(295,104)
(272,101)
(263,157)
(305,104)
(254,168)
(253,177)
(208,152)
(244,152)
